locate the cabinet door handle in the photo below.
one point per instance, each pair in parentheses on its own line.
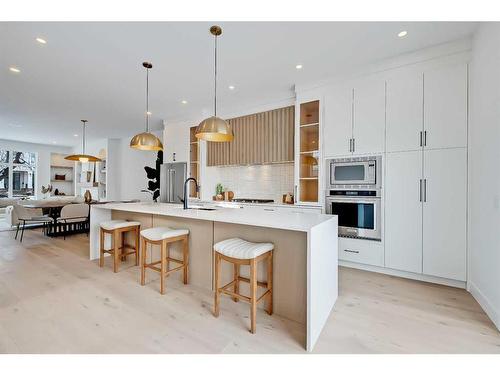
(425,138)
(351,251)
(350,144)
(425,190)
(353,144)
(421,138)
(420,190)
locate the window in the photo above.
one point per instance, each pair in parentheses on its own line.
(17,174)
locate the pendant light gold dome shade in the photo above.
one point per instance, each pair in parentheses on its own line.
(84,158)
(215,129)
(146,141)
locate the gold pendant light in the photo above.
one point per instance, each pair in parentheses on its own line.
(84,158)
(146,141)
(215,129)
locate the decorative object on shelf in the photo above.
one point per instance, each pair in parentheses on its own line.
(87,196)
(83,158)
(288,198)
(60,177)
(228,195)
(215,129)
(46,190)
(89,176)
(146,141)
(153,175)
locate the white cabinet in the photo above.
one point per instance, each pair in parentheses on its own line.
(361,251)
(445,199)
(425,212)
(404,122)
(445,106)
(403,211)
(369,116)
(338,121)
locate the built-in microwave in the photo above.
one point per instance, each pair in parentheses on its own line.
(361,171)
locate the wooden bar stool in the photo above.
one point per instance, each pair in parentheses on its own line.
(163,236)
(240,252)
(117,230)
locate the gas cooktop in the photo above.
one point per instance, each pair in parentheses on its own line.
(253,200)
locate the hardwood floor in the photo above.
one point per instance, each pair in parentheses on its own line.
(54,300)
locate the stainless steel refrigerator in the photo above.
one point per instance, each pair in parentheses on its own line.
(172,177)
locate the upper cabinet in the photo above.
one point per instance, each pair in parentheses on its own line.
(261,138)
(355,118)
(337,133)
(445,107)
(427,109)
(404,121)
(369,116)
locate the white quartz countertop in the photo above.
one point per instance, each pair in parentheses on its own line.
(247,215)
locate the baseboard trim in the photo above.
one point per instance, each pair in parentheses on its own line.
(404,274)
(485,304)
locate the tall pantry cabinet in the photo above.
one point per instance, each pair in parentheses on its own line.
(426,171)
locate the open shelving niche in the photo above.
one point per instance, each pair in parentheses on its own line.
(309,151)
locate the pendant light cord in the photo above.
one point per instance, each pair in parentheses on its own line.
(83,138)
(147,100)
(215,78)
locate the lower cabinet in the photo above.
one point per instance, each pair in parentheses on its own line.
(445,213)
(425,212)
(403,211)
(361,251)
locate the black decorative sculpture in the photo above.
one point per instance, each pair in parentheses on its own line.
(153,175)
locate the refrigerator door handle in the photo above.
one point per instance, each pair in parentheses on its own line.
(171,179)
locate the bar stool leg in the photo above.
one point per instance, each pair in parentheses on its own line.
(116,250)
(137,231)
(253,294)
(124,250)
(236,275)
(270,283)
(185,259)
(143,261)
(163,266)
(101,248)
(216,279)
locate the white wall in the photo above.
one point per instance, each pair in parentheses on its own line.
(43,161)
(484,145)
(128,169)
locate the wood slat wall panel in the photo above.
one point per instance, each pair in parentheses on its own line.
(260,138)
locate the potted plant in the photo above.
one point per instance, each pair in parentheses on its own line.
(219,192)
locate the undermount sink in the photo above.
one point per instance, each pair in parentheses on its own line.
(202,208)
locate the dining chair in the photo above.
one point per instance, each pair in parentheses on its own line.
(74,216)
(29,215)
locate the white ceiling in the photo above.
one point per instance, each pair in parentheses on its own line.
(94,70)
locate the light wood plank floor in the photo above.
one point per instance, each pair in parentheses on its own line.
(54,300)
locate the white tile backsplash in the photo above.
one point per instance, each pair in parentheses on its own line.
(268,181)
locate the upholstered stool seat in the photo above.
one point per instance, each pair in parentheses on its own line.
(240,252)
(162,233)
(241,249)
(163,236)
(116,224)
(117,229)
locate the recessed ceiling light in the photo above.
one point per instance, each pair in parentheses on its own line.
(231,87)
(184,102)
(54,142)
(41,40)
(148,113)
(75,135)
(299,66)
(403,33)
(14,69)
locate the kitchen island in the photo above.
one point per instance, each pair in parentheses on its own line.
(305,256)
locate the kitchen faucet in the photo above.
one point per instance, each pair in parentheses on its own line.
(185,201)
